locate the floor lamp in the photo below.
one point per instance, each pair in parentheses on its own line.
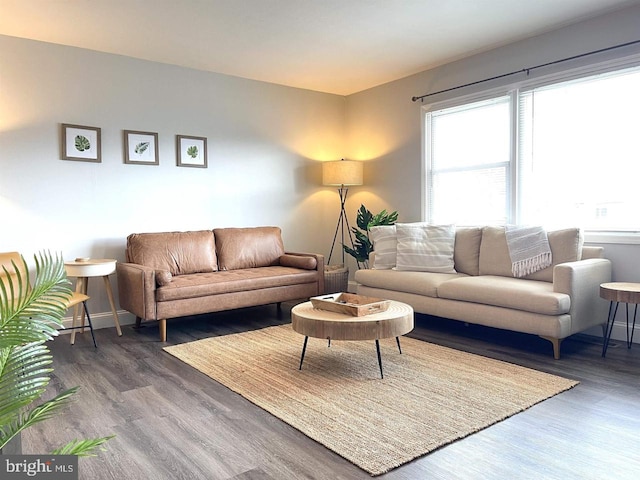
(342,174)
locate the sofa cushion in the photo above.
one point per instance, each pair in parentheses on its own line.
(232,281)
(248,247)
(494,253)
(385,245)
(178,253)
(420,283)
(466,252)
(565,244)
(516,293)
(425,248)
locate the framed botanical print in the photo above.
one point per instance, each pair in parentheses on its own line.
(81,143)
(192,151)
(141,148)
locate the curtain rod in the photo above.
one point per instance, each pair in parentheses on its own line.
(526,70)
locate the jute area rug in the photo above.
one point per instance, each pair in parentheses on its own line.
(430,395)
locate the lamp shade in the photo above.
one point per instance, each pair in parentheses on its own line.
(342,172)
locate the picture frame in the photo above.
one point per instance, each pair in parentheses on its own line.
(141,148)
(192,151)
(81,143)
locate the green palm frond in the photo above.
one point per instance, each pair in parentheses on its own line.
(31,313)
(24,376)
(38,414)
(83,448)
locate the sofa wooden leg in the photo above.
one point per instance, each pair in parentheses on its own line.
(138,322)
(163,329)
(556,345)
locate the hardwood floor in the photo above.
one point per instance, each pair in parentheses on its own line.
(172,422)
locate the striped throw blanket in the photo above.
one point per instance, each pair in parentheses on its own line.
(528,248)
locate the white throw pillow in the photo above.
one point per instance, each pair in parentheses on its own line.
(425,248)
(384,246)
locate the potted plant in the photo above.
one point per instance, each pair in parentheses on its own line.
(29,317)
(362,245)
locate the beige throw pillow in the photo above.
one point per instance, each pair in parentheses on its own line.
(425,248)
(385,245)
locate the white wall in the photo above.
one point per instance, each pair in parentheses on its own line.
(264,146)
(384,125)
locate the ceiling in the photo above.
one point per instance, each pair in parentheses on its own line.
(334,46)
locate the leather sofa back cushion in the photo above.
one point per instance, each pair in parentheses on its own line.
(566,246)
(248,247)
(178,253)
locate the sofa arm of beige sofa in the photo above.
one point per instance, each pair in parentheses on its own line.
(581,281)
(137,289)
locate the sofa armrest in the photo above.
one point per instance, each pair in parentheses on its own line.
(136,289)
(581,281)
(319,267)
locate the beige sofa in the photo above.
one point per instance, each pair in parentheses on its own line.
(553,303)
(174,274)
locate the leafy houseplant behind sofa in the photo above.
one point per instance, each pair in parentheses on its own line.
(175,274)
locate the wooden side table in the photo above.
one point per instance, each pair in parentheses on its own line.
(83,269)
(619,292)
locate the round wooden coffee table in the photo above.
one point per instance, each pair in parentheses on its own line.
(397,320)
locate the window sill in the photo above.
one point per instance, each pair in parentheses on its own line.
(621,238)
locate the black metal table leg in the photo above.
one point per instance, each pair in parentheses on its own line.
(633,327)
(86,311)
(609,328)
(379,358)
(398,342)
(304,348)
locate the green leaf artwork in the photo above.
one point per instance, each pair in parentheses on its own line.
(141,147)
(192,151)
(82,143)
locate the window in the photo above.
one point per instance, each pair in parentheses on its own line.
(469,157)
(575,158)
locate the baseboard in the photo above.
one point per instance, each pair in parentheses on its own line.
(619,332)
(102,320)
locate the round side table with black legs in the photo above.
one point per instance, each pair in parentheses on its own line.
(619,292)
(83,269)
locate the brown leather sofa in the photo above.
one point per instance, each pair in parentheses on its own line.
(174,274)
